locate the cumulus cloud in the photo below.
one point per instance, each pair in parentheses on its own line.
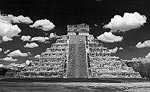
(109,37)
(1,65)
(5,39)
(127,22)
(120,48)
(14,64)
(39,39)
(37,56)
(28,62)
(114,50)
(9,30)
(43,24)
(148,56)
(31,45)
(9,59)
(6,51)
(25,38)
(16,19)
(135,59)
(52,35)
(20,19)
(17,53)
(144,44)
(1,49)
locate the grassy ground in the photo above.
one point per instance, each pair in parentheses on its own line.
(113,87)
(74,87)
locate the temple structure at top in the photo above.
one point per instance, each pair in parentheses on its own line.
(79,29)
(77,55)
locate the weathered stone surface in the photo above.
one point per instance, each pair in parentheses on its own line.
(77,64)
(78,56)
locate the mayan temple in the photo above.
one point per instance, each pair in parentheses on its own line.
(77,55)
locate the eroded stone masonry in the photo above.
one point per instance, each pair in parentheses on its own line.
(77,55)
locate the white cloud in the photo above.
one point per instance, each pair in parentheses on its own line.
(114,50)
(17,53)
(135,59)
(9,30)
(1,65)
(16,19)
(109,37)
(120,48)
(5,39)
(148,55)
(144,44)
(28,62)
(20,19)
(6,51)
(31,45)
(37,56)
(52,35)
(25,38)
(40,39)
(9,59)
(1,49)
(127,22)
(14,64)
(43,24)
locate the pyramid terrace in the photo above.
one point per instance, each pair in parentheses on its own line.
(77,55)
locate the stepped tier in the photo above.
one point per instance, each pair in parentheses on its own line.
(103,65)
(77,55)
(51,63)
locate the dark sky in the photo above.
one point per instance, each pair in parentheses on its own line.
(63,12)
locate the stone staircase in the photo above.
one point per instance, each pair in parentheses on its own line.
(77,64)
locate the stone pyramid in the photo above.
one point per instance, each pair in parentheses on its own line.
(77,55)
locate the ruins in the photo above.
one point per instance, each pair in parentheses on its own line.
(77,55)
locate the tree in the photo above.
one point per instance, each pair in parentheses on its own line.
(3,71)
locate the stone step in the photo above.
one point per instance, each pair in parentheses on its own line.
(77,64)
